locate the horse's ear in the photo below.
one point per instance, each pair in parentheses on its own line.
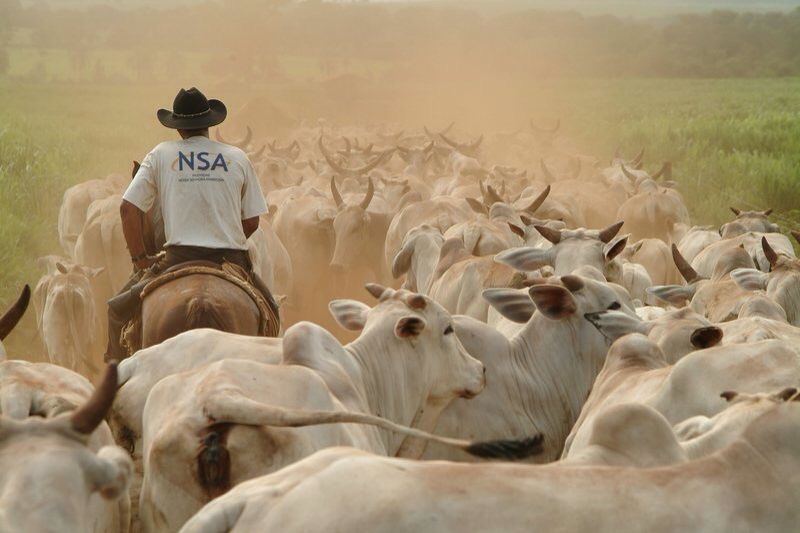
(136,166)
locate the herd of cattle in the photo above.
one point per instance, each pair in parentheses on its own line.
(554,309)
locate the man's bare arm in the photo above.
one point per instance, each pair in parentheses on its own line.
(250,225)
(132,230)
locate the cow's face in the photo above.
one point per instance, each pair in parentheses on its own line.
(351,230)
(571,250)
(676,332)
(576,298)
(745,221)
(418,338)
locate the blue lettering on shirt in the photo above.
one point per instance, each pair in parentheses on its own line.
(189,160)
(203,158)
(219,162)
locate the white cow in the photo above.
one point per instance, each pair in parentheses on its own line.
(538,379)
(75,204)
(637,371)
(209,429)
(751,485)
(56,476)
(71,326)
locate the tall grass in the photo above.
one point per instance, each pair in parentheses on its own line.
(733,142)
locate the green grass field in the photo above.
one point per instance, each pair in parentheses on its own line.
(732,142)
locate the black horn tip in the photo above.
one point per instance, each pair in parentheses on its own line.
(508,449)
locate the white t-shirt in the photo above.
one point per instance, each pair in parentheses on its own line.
(204,189)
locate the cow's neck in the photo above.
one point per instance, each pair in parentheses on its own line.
(392,383)
(553,365)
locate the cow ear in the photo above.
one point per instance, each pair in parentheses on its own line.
(750,279)
(706,337)
(616,324)
(402,261)
(515,305)
(673,294)
(525,258)
(615,247)
(516,230)
(729,395)
(349,314)
(786,394)
(553,301)
(409,326)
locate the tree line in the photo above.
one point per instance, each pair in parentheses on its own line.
(413,41)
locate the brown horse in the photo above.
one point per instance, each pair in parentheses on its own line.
(197,301)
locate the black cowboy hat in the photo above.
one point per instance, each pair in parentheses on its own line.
(191,110)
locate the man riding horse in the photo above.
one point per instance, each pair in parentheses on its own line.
(208,196)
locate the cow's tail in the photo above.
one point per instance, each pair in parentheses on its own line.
(214,460)
(242,410)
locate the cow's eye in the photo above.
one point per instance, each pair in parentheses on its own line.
(614,306)
(448,330)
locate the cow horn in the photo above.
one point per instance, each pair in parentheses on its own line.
(768,212)
(87,417)
(735,211)
(686,270)
(429,147)
(14,314)
(248,136)
(665,170)
(337,198)
(370,193)
(572,283)
(638,159)
(329,158)
(452,144)
(257,155)
(628,174)
(416,301)
(552,235)
(769,252)
(376,290)
(610,232)
(537,203)
(546,171)
(490,197)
